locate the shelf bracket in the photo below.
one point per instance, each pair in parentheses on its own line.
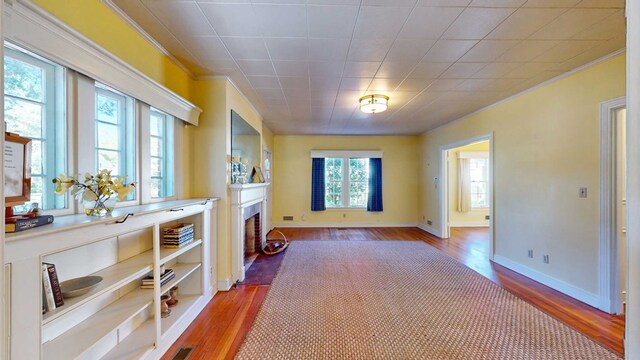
(121,221)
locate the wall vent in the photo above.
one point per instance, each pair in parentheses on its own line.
(287,218)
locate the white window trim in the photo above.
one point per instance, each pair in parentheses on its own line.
(144,140)
(34,28)
(61,110)
(346,199)
(353,154)
(479,155)
(473,154)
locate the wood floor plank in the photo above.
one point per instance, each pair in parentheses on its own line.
(218,332)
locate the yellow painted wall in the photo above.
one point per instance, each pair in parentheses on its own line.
(207,146)
(96,21)
(211,149)
(545,148)
(292,179)
(475,216)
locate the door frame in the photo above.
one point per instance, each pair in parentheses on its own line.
(608,238)
(444,186)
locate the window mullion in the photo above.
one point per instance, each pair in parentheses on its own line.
(345,183)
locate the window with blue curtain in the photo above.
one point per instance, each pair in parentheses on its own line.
(346,182)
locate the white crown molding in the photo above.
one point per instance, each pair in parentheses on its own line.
(232,83)
(533,88)
(146,36)
(35,29)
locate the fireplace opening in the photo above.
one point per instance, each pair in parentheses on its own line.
(252,235)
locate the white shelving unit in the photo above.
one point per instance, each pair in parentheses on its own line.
(117,319)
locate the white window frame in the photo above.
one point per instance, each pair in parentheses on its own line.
(168,158)
(346,184)
(56,95)
(144,112)
(128,136)
(485,156)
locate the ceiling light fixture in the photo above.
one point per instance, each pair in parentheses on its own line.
(373,104)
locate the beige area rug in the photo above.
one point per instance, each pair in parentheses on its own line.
(399,300)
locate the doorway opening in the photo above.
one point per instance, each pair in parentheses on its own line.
(466,195)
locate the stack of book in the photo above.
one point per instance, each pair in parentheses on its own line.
(177,236)
(147,283)
(51,292)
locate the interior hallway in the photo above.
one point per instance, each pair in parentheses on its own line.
(220,329)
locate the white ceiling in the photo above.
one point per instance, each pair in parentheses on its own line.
(304,63)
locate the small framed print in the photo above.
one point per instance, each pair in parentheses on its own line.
(256,175)
(17,169)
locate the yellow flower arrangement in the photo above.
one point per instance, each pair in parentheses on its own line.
(96,188)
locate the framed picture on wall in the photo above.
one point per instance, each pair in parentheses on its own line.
(17,169)
(256,175)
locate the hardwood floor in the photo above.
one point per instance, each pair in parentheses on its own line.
(220,329)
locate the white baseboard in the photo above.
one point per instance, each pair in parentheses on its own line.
(224,285)
(430,230)
(290,224)
(565,288)
(484,223)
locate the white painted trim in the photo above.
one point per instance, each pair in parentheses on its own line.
(484,223)
(533,88)
(346,154)
(35,29)
(146,36)
(473,155)
(556,284)
(430,230)
(607,254)
(293,224)
(224,284)
(5,314)
(632,323)
(443,204)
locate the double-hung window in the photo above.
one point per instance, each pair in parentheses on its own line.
(34,107)
(162,154)
(346,182)
(115,148)
(479,176)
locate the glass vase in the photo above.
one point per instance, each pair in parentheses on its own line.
(100,207)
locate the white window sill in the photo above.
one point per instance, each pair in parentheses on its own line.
(364,208)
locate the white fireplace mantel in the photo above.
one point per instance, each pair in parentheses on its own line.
(243,196)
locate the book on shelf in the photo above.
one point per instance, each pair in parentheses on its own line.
(20,224)
(177,236)
(177,241)
(174,238)
(48,292)
(163,282)
(55,284)
(178,229)
(149,279)
(176,245)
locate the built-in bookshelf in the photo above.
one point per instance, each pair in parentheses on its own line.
(117,319)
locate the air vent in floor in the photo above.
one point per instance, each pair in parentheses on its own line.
(182,353)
